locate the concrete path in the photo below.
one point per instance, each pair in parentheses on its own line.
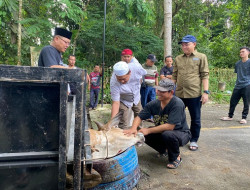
(222,161)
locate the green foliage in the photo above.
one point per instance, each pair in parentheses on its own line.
(8,26)
(221,27)
(137,11)
(106,95)
(221,75)
(9,5)
(225,53)
(39,17)
(220,97)
(239,13)
(118,37)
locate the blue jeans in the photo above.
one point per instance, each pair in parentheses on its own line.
(147,95)
(94,93)
(194,108)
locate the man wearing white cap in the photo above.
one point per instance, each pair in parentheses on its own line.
(125,87)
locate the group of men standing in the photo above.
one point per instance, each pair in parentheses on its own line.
(190,74)
(135,86)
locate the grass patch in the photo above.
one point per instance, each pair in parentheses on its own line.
(217,75)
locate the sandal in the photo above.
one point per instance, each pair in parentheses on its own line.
(243,121)
(174,164)
(193,146)
(226,118)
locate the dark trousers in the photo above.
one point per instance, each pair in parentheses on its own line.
(243,93)
(94,93)
(170,140)
(194,108)
(147,95)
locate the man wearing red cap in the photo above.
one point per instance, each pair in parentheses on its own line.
(50,55)
(127,56)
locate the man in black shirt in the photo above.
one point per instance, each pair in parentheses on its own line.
(171,130)
(50,55)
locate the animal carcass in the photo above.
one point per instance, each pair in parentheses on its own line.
(110,140)
(107,142)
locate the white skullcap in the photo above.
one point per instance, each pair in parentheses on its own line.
(121,68)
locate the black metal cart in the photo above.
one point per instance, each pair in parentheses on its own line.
(33,122)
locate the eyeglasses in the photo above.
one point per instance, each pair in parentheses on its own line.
(68,43)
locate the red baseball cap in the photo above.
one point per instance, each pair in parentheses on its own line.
(127,52)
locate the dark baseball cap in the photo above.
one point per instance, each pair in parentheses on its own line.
(165,85)
(187,38)
(152,57)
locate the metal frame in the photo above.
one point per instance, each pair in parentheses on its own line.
(62,77)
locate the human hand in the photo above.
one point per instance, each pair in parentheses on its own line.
(145,131)
(204,98)
(129,132)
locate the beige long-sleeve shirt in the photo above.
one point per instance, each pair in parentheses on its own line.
(189,71)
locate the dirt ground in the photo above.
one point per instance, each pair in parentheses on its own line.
(221,162)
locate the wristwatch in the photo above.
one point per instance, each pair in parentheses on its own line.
(206,91)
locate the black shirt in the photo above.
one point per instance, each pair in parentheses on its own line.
(173,113)
(49,56)
(166,71)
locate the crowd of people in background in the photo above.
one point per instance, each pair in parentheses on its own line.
(184,83)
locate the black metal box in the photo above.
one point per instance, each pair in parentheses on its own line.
(33,102)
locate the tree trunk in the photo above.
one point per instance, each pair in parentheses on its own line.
(167,27)
(19,33)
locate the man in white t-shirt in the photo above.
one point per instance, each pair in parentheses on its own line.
(125,86)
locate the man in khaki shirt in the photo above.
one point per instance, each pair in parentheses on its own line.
(190,74)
